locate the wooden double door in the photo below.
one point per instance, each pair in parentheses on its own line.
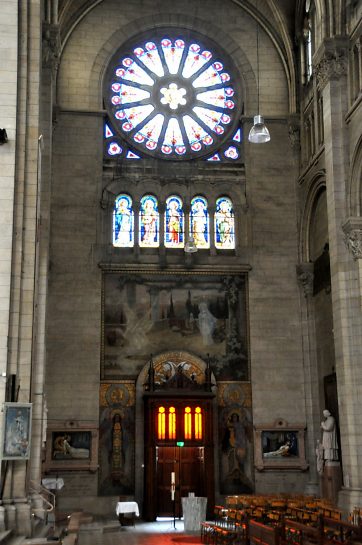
(191,464)
(187,468)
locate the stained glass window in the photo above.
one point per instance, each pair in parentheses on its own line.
(172,97)
(174,223)
(149,222)
(224,224)
(161,423)
(172,423)
(199,222)
(187,423)
(198,423)
(123,222)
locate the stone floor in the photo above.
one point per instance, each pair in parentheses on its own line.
(143,533)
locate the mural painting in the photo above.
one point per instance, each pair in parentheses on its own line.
(236,438)
(146,314)
(116,438)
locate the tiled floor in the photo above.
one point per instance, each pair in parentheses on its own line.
(143,533)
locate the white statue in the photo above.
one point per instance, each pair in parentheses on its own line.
(329,440)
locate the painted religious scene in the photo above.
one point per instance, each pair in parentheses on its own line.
(146,314)
(236,458)
(116,438)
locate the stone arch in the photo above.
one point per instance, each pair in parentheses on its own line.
(354,202)
(317,186)
(177,357)
(147,23)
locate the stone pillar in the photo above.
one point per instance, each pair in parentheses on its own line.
(331,72)
(2,519)
(352,229)
(305,277)
(10,516)
(23,517)
(331,481)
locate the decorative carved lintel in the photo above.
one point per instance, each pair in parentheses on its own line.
(51,47)
(330,61)
(352,229)
(305,277)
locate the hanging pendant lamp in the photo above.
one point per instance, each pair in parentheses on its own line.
(259,133)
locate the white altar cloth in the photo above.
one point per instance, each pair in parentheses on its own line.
(127,507)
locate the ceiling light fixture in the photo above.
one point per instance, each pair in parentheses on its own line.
(259,133)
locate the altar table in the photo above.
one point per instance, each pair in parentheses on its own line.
(129,508)
(194,512)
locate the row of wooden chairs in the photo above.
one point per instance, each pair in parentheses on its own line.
(293,526)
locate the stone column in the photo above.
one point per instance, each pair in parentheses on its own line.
(50,63)
(331,73)
(352,229)
(10,516)
(23,517)
(305,277)
(2,518)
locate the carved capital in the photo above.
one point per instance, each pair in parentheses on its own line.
(352,229)
(330,62)
(305,277)
(51,46)
(294,132)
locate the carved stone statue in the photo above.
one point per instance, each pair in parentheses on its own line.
(329,440)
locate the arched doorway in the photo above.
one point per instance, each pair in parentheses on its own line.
(179,450)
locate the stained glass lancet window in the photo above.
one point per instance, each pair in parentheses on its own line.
(149,231)
(199,222)
(171,97)
(174,223)
(123,222)
(224,224)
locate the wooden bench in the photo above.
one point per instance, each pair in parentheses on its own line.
(262,534)
(338,532)
(296,533)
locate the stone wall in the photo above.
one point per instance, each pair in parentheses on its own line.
(269,242)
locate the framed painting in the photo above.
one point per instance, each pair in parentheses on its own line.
(17,431)
(280,446)
(71,448)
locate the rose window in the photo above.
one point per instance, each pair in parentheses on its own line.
(173,98)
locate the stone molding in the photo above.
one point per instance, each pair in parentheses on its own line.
(330,61)
(294,132)
(305,277)
(51,47)
(352,229)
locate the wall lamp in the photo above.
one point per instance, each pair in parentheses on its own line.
(3,137)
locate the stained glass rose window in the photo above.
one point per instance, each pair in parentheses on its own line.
(173,97)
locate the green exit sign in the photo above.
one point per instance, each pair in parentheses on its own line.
(180,443)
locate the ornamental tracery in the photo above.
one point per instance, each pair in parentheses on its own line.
(174,98)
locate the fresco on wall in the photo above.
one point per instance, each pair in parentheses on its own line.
(236,438)
(116,438)
(147,314)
